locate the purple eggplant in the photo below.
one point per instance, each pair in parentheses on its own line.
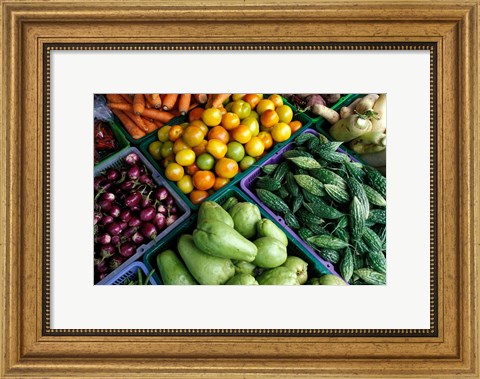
(134,172)
(128,185)
(106,251)
(123,224)
(133,199)
(149,231)
(107,220)
(115,210)
(171,219)
(97,216)
(173,210)
(147,214)
(159,221)
(116,240)
(101,265)
(105,205)
(162,209)
(132,158)
(129,232)
(113,175)
(127,250)
(169,201)
(146,179)
(161,193)
(135,222)
(103,239)
(125,215)
(108,196)
(114,229)
(138,238)
(117,262)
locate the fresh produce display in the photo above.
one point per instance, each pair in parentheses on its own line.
(335,205)
(240,189)
(216,252)
(230,134)
(130,210)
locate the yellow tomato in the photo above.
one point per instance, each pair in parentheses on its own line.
(281,132)
(255,147)
(276,99)
(185,157)
(217,148)
(263,105)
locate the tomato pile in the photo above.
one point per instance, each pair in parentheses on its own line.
(205,153)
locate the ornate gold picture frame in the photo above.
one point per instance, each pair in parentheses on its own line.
(32,29)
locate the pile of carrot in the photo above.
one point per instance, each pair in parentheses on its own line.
(142,114)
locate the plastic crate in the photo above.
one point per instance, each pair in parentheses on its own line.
(316,267)
(129,272)
(247,183)
(146,141)
(183,209)
(121,139)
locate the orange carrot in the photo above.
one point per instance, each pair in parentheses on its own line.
(156,100)
(120,106)
(150,125)
(158,115)
(114,98)
(129,125)
(169,101)
(127,98)
(138,104)
(158,123)
(137,120)
(175,112)
(201,98)
(210,98)
(193,105)
(219,99)
(184,102)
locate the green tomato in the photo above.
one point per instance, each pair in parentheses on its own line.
(241,108)
(167,149)
(252,124)
(247,162)
(155,150)
(235,151)
(205,161)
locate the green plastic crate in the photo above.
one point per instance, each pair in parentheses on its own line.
(121,139)
(315,267)
(147,140)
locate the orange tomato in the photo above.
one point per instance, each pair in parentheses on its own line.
(241,133)
(276,100)
(281,132)
(193,136)
(198,196)
(220,182)
(226,168)
(230,120)
(201,125)
(217,148)
(263,105)
(295,126)
(203,180)
(269,118)
(200,149)
(220,133)
(252,99)
(174,172)
(192,169)
(175,133)
(179,145)
(255,147)
(195,114)
(267,139)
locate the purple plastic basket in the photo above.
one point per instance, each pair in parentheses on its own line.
(129,272)
(248,180)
